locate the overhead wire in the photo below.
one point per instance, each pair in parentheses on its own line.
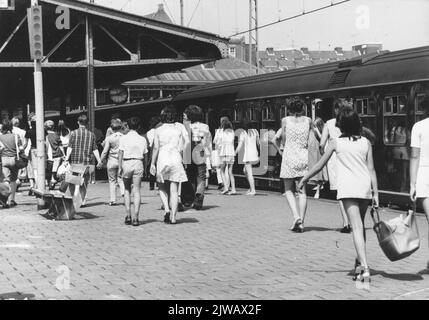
(290,18)
(193,13)
(169,12)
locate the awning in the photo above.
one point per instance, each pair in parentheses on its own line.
(126,46)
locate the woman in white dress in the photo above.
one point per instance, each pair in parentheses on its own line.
(419,166)
(356,180)
(170,139)
(249,139)
(216,143)
(329,134)
(225,140)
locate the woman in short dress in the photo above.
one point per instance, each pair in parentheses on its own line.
(216,143)
(295,134)
(314,155)
(170,139)
(329,134)
(356,180)
(225,141)
(249,139)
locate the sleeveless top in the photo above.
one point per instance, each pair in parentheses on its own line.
(353,178)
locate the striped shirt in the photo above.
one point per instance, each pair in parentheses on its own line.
(82,142)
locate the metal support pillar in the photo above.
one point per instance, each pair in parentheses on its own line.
(182,13)
(253,33)
(40,129)
(90,93)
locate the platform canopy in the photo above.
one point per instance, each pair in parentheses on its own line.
(125,46)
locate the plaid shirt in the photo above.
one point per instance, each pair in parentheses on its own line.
(82,142)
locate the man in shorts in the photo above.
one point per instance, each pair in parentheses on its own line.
(132,156)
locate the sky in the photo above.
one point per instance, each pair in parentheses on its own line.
(397,24)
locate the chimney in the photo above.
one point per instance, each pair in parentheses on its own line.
(160,7)
(304,50)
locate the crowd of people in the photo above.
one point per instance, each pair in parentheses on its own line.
(178,151)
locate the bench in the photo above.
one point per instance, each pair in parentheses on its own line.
(61,206)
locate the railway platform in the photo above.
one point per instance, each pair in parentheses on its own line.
(238,247)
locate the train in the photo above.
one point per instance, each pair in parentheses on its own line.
(386,89)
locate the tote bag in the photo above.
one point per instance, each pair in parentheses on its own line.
(398,237)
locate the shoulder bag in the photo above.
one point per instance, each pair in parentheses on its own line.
(21,160)
(398,237)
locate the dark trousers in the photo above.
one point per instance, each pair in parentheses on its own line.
(197,177)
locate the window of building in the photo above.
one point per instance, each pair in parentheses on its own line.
(395,120)
(232,51)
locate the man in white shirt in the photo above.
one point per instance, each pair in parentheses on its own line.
(419,166)
(201,150)
(132,161)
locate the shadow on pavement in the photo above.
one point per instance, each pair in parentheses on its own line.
(16,296)
(396,276)
(204,208)
(93,204)
(399,276)
(187,220)
(85,216)
(424,271)
(149,221)
(307,229)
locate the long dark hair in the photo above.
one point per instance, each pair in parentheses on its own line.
(349,123)
(248,126)
(62,129)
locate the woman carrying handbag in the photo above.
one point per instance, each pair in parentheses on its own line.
(356,180)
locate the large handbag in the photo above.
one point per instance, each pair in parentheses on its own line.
(398,237)
(21,160)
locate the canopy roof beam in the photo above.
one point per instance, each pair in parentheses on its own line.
(133,56)
(179,55)
(61,42)
(13,34)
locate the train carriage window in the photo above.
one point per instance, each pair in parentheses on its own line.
(251,114)
(420,112)
(236,116)
(366,110)
(268,113)
(395,121)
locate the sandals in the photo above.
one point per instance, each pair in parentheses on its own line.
(167,217)
(298,226)
(358,269)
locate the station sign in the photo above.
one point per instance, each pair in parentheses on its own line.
(7,4)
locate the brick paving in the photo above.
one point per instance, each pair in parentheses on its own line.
(237,248)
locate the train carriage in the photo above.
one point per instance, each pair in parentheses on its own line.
(386,89)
